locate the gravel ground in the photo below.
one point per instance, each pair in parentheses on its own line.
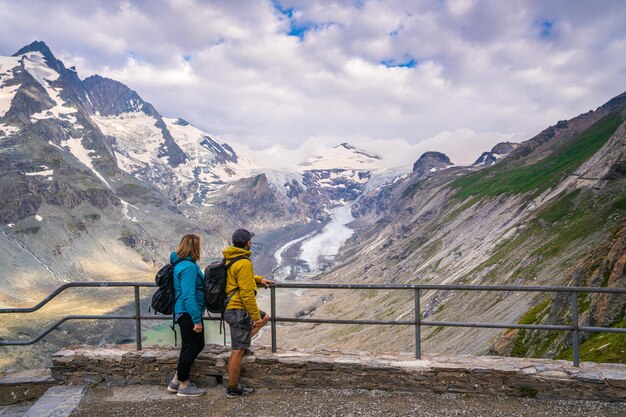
(150,401)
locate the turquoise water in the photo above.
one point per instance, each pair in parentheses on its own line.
(162,334)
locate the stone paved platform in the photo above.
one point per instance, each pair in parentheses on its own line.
(155,401)
(58,401)
(28,385)
(329,369)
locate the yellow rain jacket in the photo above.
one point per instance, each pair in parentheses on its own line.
(241,275)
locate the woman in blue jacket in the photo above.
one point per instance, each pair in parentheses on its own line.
(188,310)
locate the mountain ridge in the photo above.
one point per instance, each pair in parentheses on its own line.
(527,220)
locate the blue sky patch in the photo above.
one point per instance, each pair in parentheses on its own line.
(298,29)
(279,9)
(186,57)
(393,63)
(546,26)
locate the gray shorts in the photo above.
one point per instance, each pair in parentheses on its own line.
(240,328)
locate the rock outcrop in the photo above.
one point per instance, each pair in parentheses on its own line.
(429,163)
(499,151)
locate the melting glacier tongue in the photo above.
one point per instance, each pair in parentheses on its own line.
(320,250)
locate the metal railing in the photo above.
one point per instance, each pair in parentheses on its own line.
(575,328)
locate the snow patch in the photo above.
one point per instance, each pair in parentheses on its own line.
(279,177)
(38,218)
(10,225)
(55,145)
(77,149)
(6,92)
(202,164)
(45,173)
(138,138)
(125,209)
(36,66)
(8,130)
(7,63)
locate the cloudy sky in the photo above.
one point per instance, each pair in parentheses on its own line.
(281,79)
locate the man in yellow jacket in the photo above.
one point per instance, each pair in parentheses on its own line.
(242,312)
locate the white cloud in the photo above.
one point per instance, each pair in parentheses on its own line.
(484,70)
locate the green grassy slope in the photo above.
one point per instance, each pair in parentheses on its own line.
(516,178)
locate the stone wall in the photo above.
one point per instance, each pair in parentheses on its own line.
(334,369)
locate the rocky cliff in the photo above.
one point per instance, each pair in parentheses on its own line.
(604,266)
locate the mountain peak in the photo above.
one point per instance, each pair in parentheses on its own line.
(41,47)
(36,46)
(503,148)
(499,151)
(431,162)
(345,145)
(111,97)
(342,156)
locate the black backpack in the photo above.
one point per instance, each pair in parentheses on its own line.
(215,285)
(163,299)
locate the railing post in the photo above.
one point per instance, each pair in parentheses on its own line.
(273,316)
(418,326)
(575,340)
(137,317)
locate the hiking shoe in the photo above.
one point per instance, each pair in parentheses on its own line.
(172,387)
(240,391)
(248,351)
(190,391)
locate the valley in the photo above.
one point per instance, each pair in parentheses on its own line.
(99,186)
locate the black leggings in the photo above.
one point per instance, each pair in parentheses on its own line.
(191,345)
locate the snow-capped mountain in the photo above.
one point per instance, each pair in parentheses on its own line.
(343,157)
(88,165)
(169,152)
(335,177)
(176,157)
(340,174)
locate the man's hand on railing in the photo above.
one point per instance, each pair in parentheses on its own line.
(267,282)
